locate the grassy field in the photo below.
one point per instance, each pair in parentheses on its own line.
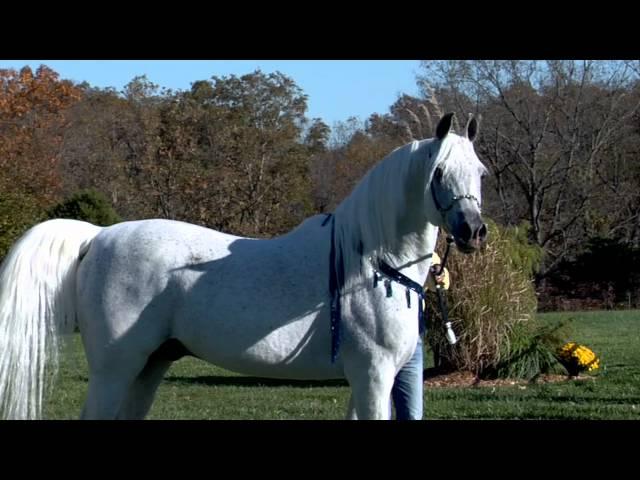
(195,390)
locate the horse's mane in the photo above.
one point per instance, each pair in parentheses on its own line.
(366,222)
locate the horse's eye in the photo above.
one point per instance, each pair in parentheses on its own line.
(438,174)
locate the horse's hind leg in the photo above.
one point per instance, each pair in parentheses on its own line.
(351,410)
(142,392)
(106,395)
(109,383)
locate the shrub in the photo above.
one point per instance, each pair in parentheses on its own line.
(532,350)
(492,305)
(605,274)
(523,255)
(87,205)
(18,213)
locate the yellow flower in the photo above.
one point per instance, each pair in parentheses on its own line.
(578,356)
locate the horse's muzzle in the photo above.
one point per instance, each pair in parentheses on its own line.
(471,235)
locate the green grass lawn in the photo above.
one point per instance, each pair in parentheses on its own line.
(193,389)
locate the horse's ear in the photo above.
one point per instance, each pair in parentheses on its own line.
(444,125)
(471,131)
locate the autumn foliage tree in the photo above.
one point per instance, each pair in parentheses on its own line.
(103,147)
(253,140)
(231,153)
(32,122)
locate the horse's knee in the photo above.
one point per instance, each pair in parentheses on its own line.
(370,396)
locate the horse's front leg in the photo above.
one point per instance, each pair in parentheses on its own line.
(371,385)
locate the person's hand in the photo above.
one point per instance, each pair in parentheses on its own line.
(434,280)
(439,279)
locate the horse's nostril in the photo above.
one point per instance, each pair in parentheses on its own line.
(482,233)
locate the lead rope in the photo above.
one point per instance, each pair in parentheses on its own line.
(442,301)
(335,284)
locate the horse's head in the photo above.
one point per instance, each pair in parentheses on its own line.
(454,189)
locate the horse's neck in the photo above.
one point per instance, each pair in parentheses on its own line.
(413,254)
(416,227)
(384,217)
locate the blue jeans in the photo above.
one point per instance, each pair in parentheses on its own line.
(407,392)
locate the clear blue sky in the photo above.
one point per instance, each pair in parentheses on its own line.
(336,89)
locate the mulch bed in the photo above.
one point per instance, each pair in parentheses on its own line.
(468,379)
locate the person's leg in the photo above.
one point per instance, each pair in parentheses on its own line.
(407,392)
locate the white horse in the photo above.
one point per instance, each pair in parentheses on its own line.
(146,293)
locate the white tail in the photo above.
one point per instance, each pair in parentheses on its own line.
(37,303)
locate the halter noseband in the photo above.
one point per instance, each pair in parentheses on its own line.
(455,199)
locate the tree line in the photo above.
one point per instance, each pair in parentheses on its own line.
(239,154)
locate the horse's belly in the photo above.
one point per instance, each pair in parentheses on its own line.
(262,344)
